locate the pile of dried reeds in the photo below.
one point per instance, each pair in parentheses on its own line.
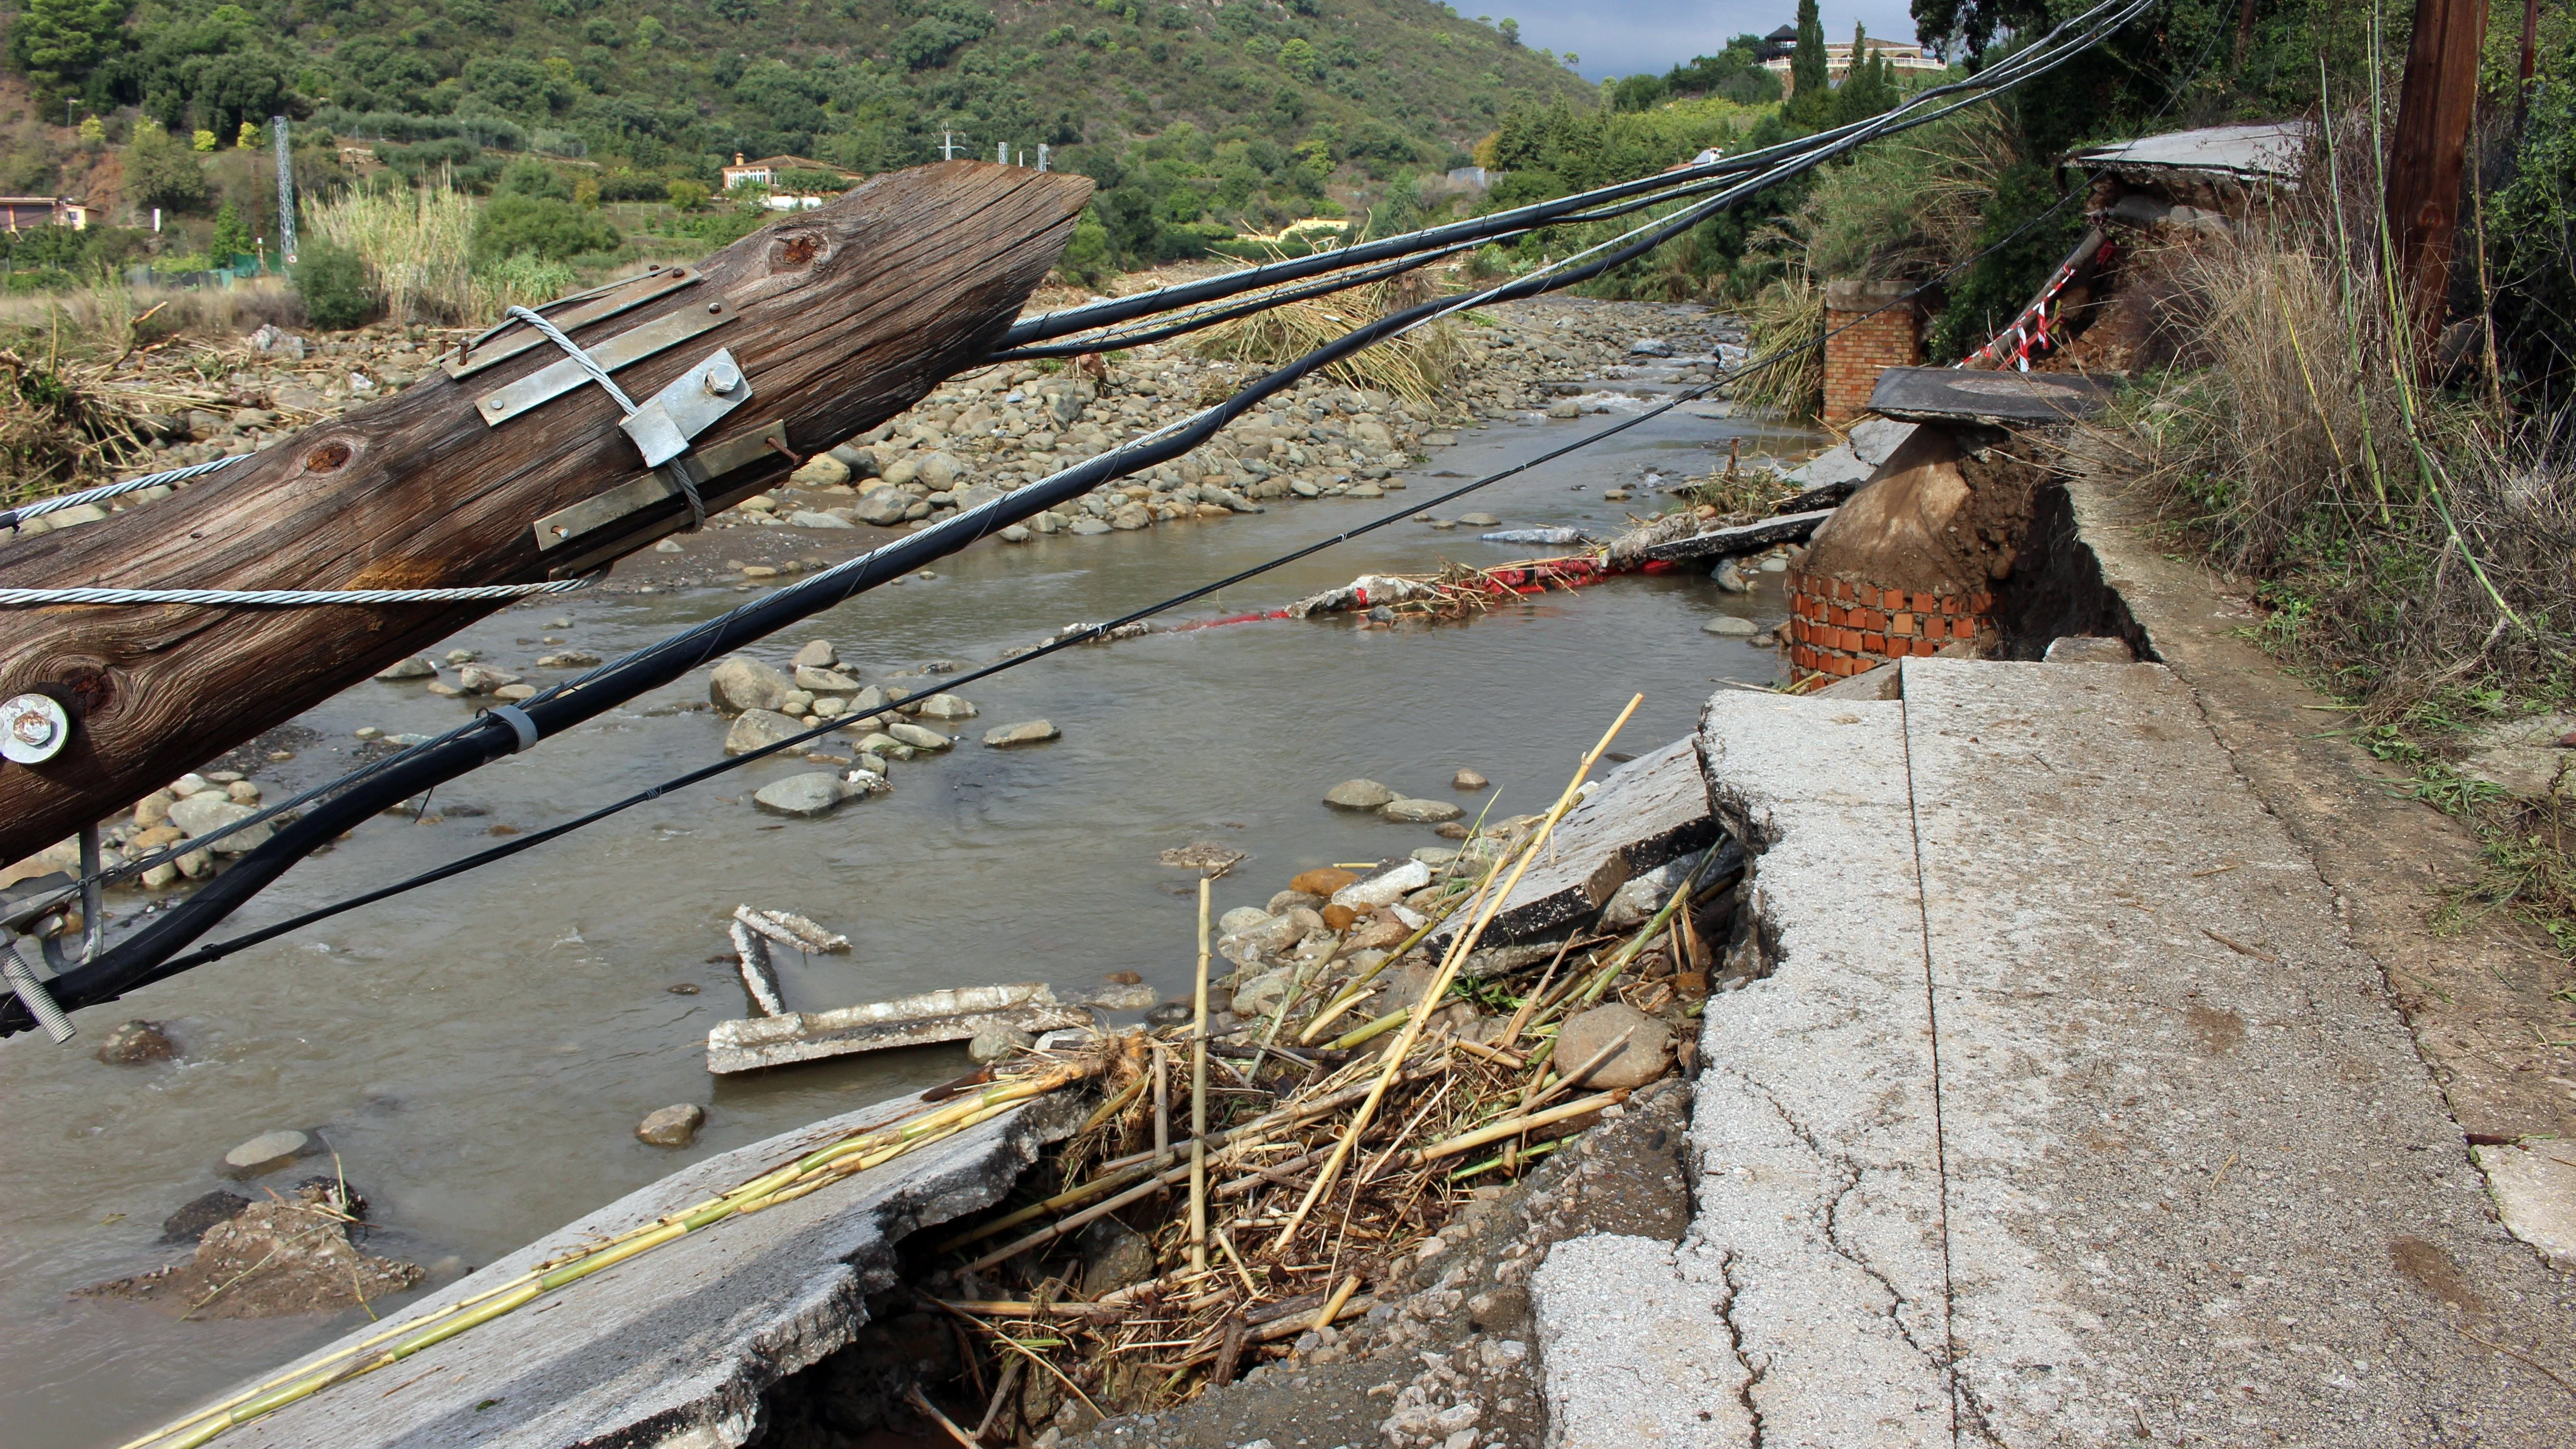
(60,428)
(1414,366)
(1279,1168)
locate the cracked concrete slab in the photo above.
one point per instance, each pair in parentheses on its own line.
(2066,1111)
(1650,1347)
(672,1348)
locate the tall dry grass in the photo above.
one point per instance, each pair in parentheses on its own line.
(414,242)
(2410,538)
(1414,366)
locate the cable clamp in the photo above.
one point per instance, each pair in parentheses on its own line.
(519,722)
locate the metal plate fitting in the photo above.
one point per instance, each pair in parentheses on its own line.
(694,402)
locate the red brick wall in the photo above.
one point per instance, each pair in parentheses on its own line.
(1854,358)
(1838,627)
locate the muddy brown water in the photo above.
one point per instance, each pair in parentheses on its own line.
(477,1054)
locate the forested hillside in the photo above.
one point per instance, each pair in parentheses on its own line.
(674,87)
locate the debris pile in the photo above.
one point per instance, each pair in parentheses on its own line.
(1274,1157)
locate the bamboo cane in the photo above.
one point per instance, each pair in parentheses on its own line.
(1431,999)
(1198,1095)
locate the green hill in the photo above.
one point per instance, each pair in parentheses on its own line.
(1264,102)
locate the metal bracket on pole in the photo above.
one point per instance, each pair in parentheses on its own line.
(693,402)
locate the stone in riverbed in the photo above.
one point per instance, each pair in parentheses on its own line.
(1241,918)
(757,729)
(208,813)
(1384,889)
(416,667)
(1015,533)
(739,684)
(807,796)
(918,737)
(1648,1050)
(1036,731)
(483,678)
(806,518)
(265,1153)
(816,654)
(1260,995)
(946,706)
(820,471)
(883,508)
(1322,881)
(199,1213)
(136,1041)
(153,809)
(996,1042)
(1728,626)
(816,679)
(1468,780)
(1478,520)
(1131,518)
(1358,795)
(1418,812)
(1087,526)
(674,1126)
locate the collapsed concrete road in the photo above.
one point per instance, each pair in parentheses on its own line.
(2064,1112)
(673,1349)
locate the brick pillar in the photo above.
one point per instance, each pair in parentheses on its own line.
(1854,358)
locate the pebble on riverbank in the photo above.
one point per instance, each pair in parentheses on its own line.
(673,1126)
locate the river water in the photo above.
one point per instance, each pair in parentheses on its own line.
(478,1053)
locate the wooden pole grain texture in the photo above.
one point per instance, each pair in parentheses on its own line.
(2426,155)
(841,318)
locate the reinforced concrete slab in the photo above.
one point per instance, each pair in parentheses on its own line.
(672,1348)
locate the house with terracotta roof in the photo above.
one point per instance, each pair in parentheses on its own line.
(767,170)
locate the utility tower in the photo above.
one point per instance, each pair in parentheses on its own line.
(947,144)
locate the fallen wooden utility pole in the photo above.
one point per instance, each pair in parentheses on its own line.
(509,466)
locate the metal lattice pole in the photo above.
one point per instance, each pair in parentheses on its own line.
(285,190)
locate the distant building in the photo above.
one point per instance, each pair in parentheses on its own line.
(1901,55)
(1778,44)
(18,212)
(766,170)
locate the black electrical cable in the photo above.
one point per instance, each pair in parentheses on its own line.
(149,955)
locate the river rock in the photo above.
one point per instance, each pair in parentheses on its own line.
(132,1042)
(199,1213)
(483,678)
(996,1042)
(1564,409)
(1384,889)
(816,654)
(1418,812)
(1648,1050)
(1478,520)
(265,1153)
(757,729)
(1650,347)
(153,809)
(1262,994)
(884,507)
(1114,1256)
(1728,626)
(673,1126)
(568,659)
(416,667)
(1014,533)
(739,684)
(1036,731)
(1131,518)
(1468,780)
(936,471)
(1266,937)
(944,706)
(807,796)
(1358,795)
(820,471)
(917,737)
(816,679)
(1322,881)
(1242,918)
(1087,527)
(210,812)
(1730,579)
(807,518)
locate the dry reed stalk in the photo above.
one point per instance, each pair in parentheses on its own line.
(1198,1093)
(1439,988)
(415,241)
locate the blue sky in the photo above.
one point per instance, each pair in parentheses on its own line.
(1622,37)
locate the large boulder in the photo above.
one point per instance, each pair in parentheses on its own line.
(739,684)
(884,507)
(1358,795)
